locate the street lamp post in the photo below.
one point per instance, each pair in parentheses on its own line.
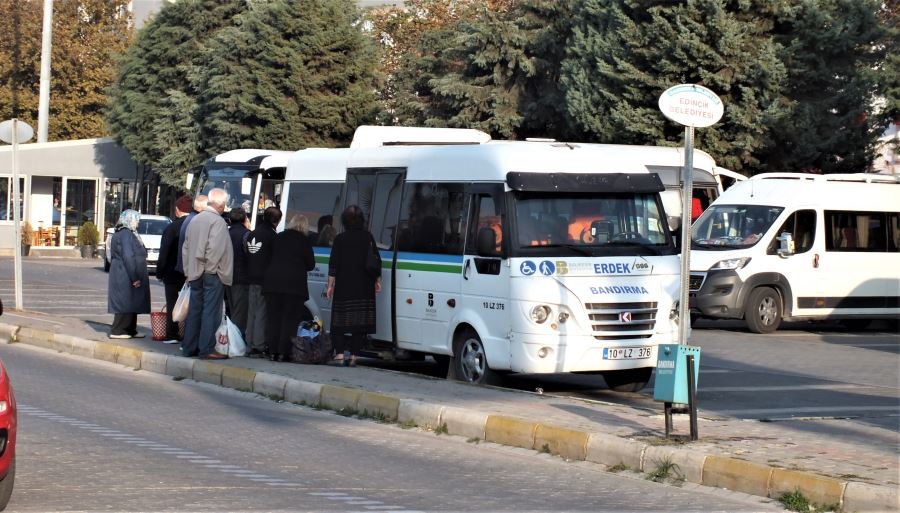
(13,131)
(46,46)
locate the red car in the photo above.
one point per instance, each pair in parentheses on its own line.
(7,435)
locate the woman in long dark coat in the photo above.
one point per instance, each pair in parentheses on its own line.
(351,288)
(129,283)
(285,288)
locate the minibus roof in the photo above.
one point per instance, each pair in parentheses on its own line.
(264,159)
(840,192)
(488,162)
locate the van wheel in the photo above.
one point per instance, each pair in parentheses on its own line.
(763,310)
(469,362)
(628,380)
(6,485)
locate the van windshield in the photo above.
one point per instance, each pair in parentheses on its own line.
(732,226)
(590,224)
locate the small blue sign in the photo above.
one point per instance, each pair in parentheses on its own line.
(527,268)
(548,268)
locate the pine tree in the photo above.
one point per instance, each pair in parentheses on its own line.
(833,58)
(624,53)
(156,78)
(288,75)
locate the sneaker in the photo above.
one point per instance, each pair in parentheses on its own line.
(138,335)
(123,335)
(173,341)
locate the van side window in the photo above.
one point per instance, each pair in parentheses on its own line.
(894,233)
(485,217)
(856,231)
(802,227)
(320,203)
(433,218)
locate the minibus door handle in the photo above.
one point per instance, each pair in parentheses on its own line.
(466,268)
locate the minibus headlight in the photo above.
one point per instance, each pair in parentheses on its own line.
(540,313)
(731,263)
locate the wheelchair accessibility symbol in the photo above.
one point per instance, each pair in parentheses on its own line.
(547,268)
(527,268)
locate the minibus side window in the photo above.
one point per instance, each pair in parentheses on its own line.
(856,231)
(802,227)
(320,203)
(894,233)
(486,216)
(433,218)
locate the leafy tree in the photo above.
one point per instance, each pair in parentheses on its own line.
(833,58)
(153,98)
(87,36)
(289,74)
(624,53)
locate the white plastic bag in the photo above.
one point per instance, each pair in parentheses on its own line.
(180,311)
(229,340)
(236,345)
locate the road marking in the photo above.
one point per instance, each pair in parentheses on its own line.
(808,409)
(326,494)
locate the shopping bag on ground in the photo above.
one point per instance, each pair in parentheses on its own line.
(311,345)
(222,337)
(180,311)
(236,344)
(158,324)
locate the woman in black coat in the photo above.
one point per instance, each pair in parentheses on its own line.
(285,288)
(129,284)
(351,287)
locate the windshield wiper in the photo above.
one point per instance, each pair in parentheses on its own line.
(576,248)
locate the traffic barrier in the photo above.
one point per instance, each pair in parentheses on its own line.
(738,475)
(238,378)
(303,392)
(424,415)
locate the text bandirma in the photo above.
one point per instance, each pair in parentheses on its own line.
(619,289)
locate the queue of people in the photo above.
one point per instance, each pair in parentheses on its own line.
(259,277)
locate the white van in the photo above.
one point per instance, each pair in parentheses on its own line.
(530,257)
(799,246)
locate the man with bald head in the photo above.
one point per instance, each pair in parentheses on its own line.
(208,266)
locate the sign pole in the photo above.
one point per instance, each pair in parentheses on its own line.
(17,215)
(684,312)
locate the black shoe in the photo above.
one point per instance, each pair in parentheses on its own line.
(214,356)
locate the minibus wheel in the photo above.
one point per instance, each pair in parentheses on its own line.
(470,360)
(763,311)
(628,380)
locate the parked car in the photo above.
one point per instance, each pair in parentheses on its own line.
(7,436)
(150,228)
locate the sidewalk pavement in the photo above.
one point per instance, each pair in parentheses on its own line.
(765,459)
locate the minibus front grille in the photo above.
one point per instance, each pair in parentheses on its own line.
(621,321)
(696,282)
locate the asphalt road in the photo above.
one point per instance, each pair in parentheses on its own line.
(98,437)
(804,373)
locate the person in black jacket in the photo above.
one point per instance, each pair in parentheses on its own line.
(351,287)
(166,271)
(238,293)
(285,286)
(259,254)
(129,284)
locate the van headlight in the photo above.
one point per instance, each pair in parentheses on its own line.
(731,263)
(540,314)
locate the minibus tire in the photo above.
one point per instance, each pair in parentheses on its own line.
(6,485)
(469,363)
(628,380)
(764,310)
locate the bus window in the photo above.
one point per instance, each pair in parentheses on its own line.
(320,203)
(432,218)
(486,216)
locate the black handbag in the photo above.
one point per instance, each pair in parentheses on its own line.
(373,261)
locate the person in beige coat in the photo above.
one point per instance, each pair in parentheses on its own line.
(208,259)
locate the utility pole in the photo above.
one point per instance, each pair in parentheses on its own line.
(46,47)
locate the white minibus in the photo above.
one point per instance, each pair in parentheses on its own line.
(799,246)
(527,257)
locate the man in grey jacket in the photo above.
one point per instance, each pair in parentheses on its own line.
(208,266)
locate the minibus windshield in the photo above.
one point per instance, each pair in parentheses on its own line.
(228,178)
(550,223)
(732,226)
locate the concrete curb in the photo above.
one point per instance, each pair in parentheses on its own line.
(710,470)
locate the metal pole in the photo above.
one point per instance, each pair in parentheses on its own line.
(692,396)
(46,47)
(667,410)
(684,315)
(17,216)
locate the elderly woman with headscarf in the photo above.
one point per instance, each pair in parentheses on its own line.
(129,284)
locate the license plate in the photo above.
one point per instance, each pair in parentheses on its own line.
(627,353)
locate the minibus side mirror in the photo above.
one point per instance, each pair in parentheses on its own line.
(786,246)
(486,243)
(674,223)
(189,181)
